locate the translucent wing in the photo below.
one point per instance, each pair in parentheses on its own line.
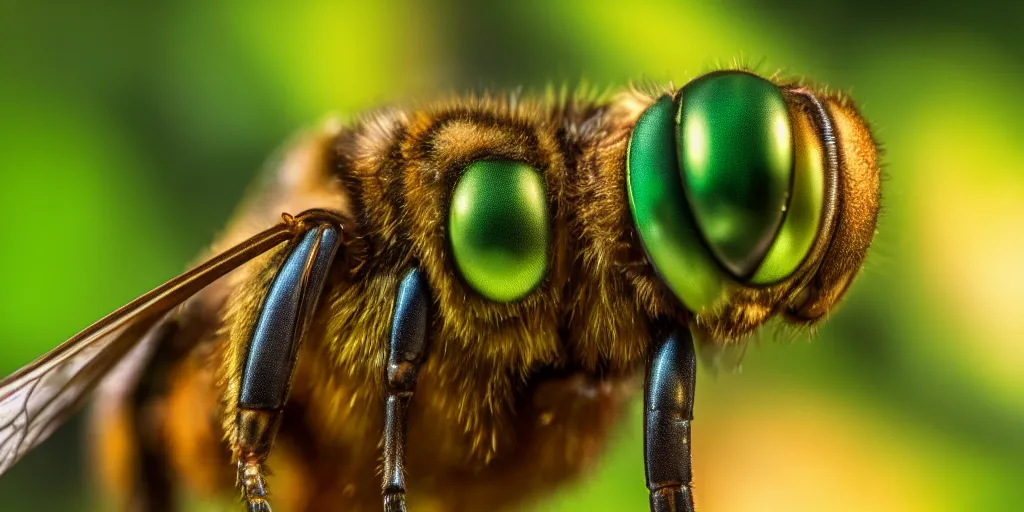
(36,402)
(38,398)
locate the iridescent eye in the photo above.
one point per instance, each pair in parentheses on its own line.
(498,224)
(736,157)
(805,208)
(717,190)
(666,225)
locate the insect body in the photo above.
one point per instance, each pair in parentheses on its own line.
(469,299)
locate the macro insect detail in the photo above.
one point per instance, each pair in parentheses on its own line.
(467,299)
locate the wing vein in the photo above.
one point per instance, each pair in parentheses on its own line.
(38,398)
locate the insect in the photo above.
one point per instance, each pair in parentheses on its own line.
(468,297)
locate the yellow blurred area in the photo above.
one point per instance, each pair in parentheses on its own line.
(800,451)
(969,211)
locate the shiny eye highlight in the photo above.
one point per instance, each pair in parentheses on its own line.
(663,219)
(499,228)
(726,185)
(736,160)
(804,211)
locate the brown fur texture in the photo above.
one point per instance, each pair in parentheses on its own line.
(513,399)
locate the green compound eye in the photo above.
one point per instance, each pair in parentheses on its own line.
(724,186)
(498,224)
(803,214)
(736,154)
(667,228)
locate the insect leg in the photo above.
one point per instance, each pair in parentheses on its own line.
(405,353)
(270,360)
(668,411)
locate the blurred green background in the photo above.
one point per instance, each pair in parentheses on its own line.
(128,132)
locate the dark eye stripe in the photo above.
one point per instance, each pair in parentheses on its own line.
(824,127)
